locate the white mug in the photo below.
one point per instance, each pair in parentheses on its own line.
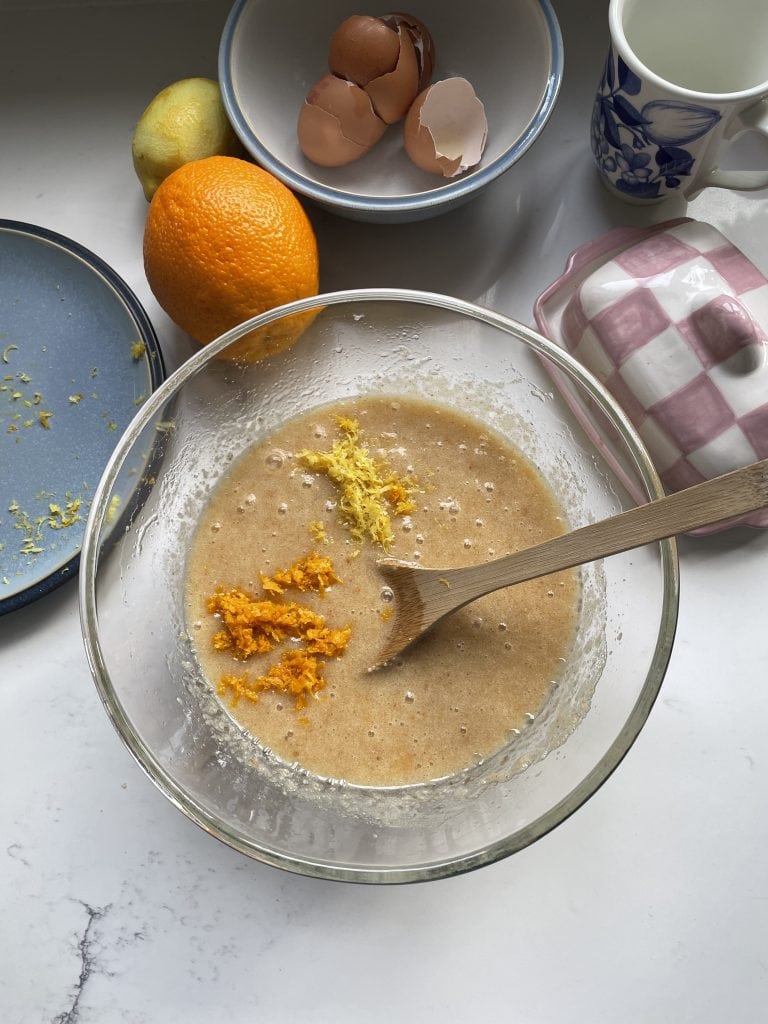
(681,77)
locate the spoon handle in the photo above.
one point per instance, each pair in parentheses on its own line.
(732,494)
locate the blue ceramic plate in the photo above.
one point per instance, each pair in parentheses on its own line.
(78,356)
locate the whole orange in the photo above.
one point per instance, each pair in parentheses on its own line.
(225,240)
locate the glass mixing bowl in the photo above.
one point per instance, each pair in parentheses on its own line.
(144,513)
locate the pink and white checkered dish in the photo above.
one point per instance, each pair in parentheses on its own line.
(672,324)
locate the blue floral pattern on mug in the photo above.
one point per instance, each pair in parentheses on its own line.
(641,150)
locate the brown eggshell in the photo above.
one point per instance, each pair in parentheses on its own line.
(422,41)
(337,123)
(363,48)
(393,94)
(446,128)
(322,140)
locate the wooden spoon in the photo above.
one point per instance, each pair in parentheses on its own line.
(422,595)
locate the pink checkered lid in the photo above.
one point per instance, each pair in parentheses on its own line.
(676,327)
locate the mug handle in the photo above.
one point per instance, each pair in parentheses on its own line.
(753,119)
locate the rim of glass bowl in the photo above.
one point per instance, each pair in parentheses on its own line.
(431,200)
(372,874)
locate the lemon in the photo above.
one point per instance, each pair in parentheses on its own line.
(186,121)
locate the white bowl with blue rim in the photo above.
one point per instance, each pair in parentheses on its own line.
(271,54)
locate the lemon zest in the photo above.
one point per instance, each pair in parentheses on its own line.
(31,528)
(113,508)
(60,518)
(366,486)
(317,532)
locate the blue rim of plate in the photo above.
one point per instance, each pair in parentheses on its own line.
(458,190)
(152,356)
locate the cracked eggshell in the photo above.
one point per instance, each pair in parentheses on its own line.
(363,48)
(446,128)
(337,123)
(423,43)
(392,94)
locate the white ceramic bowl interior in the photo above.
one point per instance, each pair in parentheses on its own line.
(271,53)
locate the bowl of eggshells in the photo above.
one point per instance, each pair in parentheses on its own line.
(390,117)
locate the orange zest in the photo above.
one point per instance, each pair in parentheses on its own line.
(253,626)
(297,673)
(313,572)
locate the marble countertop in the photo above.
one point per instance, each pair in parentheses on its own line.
(649,904)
